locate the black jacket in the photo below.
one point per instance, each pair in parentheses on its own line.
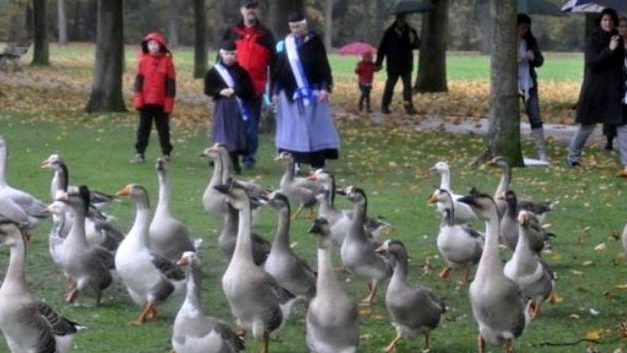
(601,91)
(398,48)
(214,83)
(313,57)
(538,59)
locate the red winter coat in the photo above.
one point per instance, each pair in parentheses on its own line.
(155,82)
(365,72)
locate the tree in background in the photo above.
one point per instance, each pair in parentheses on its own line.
(432,58)
(279,10)
(106,89)
(503,137)
(62,21)
(173,34)
(41,54)
(200,39)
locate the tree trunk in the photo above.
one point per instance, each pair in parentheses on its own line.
(174,24)
(379,20)
(106,90)
(432,60)
(62,21)
(503,137)
(41,56)
(200,39)
(328,24)
(279,11)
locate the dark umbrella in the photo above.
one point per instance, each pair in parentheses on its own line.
(411,6)
(587,5)
(529,7)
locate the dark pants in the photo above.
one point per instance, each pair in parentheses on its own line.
(162,121)
(388,91)
(365,95)
(252,131)
(532,106)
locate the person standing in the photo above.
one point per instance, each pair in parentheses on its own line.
(530,57)
(302,83)
(230,87)
(397,45)
(255,53)
(365,73)
(621,129)
(600,96)
(154,91)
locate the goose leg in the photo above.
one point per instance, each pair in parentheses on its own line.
(509,346)
(466,277)
(446,271)
(298,211)
(98,297)
(241,332)
(142,317)
(480,343)
(72,293)
(426,341)
(391,348)
(266,342)
(153,313)
(371,298)
(535,309)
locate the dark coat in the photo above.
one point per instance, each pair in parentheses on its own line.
(243,85)
(398,49)
(538,58)
(313,57)
(601,91)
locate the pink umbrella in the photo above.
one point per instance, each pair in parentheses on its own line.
(357,48)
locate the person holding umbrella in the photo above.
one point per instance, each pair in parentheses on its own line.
(397,45)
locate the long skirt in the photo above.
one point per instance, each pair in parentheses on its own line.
(228,126)
(308,132)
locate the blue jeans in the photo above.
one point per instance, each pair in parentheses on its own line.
(532,106)
(252,131)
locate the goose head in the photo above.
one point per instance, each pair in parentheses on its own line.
(322,230)
(498,161)
(236,194)
(135,192)
(482,204)
(57,207)
(441,167)
(354,194)
(161,165)
(442,196)
(524,218)
(53,161)
(10,233)
(284,157)
(79,200)
(188,259)
(395,248)
(212,152)
(510,199)
(276,200)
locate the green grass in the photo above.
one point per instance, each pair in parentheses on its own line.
(392,166)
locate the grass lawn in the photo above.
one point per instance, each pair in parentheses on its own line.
(390,162)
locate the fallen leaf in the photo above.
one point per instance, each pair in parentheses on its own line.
(600,247)
(594,335)
(621,286)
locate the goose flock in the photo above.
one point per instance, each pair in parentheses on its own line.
(159,260)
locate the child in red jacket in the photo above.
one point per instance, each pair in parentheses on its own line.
(365,72)
(155,87)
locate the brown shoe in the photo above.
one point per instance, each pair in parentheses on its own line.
(622,173)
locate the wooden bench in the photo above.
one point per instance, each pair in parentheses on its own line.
(11,57)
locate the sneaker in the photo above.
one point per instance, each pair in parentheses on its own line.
(166,157)
(571,164)
(138,158)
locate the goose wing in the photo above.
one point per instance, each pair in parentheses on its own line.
(167,268)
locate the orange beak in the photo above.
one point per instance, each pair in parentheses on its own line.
(184,261)
(433,198)
(126,191)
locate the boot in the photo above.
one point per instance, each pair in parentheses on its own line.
(235,161)
(409,108)
(538,139)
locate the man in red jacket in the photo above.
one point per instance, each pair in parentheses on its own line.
(155,87)
(255,53)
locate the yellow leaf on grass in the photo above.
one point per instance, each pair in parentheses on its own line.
(594,335)
(621,286)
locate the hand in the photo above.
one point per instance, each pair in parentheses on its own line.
(227,92)
(275,98)
(323,95)
(530,55)
(614,42)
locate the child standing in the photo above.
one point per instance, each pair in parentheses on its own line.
(231,88)
(154,90)
(365,72)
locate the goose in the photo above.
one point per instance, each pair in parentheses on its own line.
(460,245)
(463,212)
(290,271)
(28,324)
(87,266)
(98,229)
(539,209)
(358,251)
(536,235)
(498,307)
(228,238)
(258,303)
(414,310)
(531,275)
(193,332)
(299,190)
(332,320)
(15,203)
(168,237)
(148,277)
(60,181)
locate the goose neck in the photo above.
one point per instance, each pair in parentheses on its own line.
(216,176)
(326,273)
(77,232)
(192,297)
(282,235)
(139,230)
(445,180)
(401,267)
(15,276)
(226,167)
(490,260)
(243,245)
(163,205)
(505,181)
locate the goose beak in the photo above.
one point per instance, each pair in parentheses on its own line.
(312,177)
(183,261)
(126,191)
(382,249)
(46,164)
(433,198)
(523,218)
(314,229)
(27,237)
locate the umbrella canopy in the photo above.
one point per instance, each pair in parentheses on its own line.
(356,48)
(411,6)
(594,5)
(529,7)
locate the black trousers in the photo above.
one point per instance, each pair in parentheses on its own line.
(388,91)
(162,121)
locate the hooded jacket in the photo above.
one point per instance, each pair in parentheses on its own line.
(155,83)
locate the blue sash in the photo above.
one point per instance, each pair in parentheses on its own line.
(226,77)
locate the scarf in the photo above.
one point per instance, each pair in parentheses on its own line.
(303,91)
(228,79)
